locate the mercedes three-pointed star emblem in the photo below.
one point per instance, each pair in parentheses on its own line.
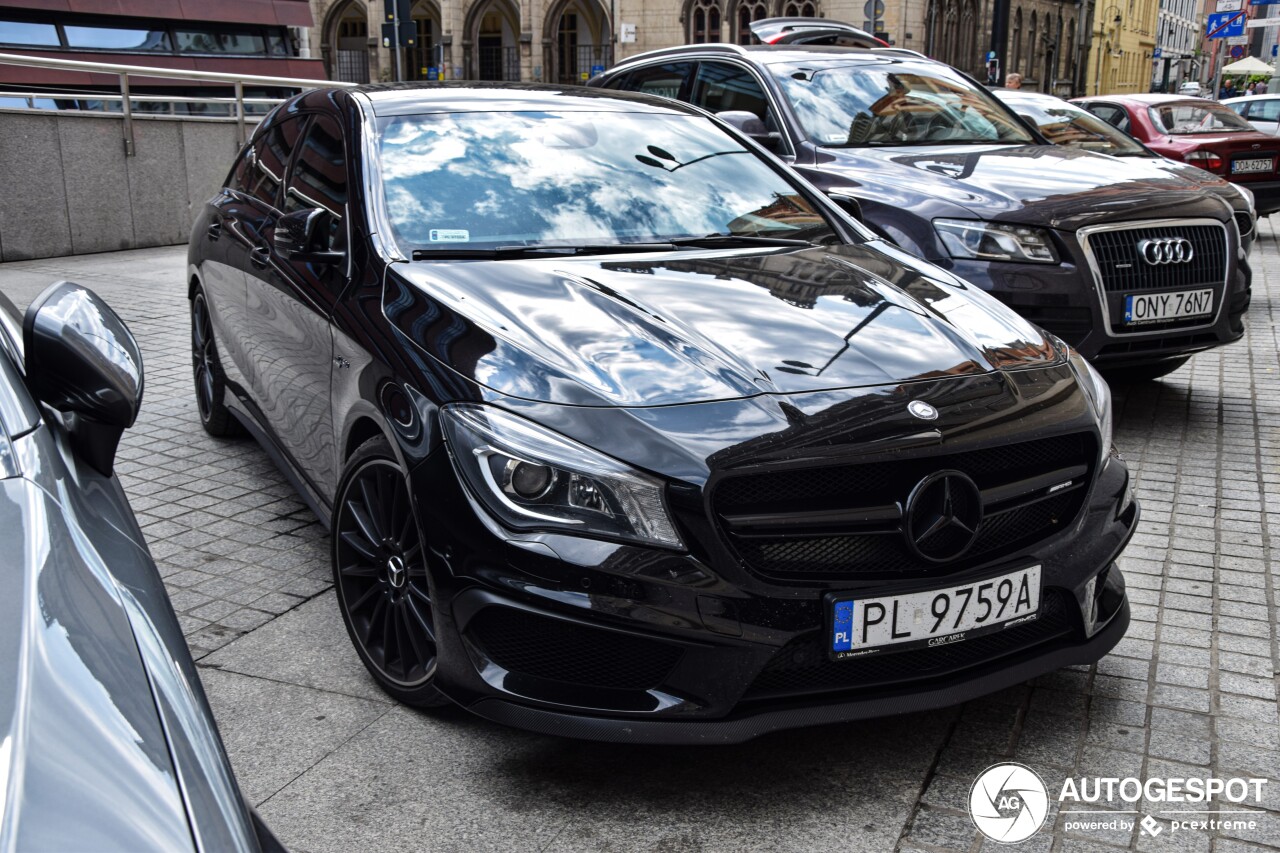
(943,515)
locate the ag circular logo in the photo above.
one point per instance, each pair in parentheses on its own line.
(1008,803)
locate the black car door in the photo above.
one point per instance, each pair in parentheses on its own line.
(290,301)
(238,241)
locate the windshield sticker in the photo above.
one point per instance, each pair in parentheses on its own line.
(449,235)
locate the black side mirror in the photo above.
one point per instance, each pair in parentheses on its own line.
(749,124)
(82,361)
(303,236)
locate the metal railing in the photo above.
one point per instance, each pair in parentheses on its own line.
(124,72)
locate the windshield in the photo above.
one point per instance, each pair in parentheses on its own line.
(1196,117)
(852,106)
(1066,124)
(484,180)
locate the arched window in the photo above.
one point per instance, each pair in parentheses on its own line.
(579,45)
(494,30)
(704,22)
(1069,56)
(800,10)
(345,44)
(425,54)
(968,59)
(1031,44)
(747,13)
(1015,55)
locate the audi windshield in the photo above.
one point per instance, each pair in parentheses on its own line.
(854,105)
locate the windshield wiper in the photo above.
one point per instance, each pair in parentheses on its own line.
(718,240)
(501,253)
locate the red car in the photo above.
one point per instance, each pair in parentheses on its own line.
(1200,132)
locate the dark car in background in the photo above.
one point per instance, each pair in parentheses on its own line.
(1064,123)
(1200,132)
(625,432)
(1073,241)
(106,738)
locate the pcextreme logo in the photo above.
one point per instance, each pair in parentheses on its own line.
(1009,803)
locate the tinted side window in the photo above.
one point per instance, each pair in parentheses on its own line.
(319,175)
(1267,109)
(270,157)
(666,81)
(721,87)
(1111,114)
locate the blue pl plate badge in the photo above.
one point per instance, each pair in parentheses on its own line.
(842,639)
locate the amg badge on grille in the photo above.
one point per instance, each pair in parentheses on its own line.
(922,410)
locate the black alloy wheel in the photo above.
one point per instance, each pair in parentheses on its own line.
(380,572)
(214,415)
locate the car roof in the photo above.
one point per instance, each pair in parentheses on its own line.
(1149,99)
(473,96)
(776,54)
(1242,98)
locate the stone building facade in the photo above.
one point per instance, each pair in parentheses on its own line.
(567,40)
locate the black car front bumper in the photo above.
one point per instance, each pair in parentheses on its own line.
(586,639)
(736,728)
(1069,300)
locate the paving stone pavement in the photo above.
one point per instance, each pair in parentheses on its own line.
(333,764)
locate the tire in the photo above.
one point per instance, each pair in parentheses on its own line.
(1144,372)
(380,576)
(215,417)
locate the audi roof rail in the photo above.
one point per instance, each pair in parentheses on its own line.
(715,47)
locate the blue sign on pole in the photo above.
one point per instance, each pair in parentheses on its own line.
(1157,53)
(991,54)
(433,73)
(1225,25)
(597,70)
(1264,2)
(1274,48)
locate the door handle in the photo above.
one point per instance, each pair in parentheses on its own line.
(260,256)
(215,229)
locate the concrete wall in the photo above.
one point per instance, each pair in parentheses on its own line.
(67,188)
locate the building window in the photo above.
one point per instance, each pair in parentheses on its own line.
(747,14)
(704,22)
(800,10)
(29,34)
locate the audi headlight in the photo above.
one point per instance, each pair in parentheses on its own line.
(995,241)
(1099,394)
(532,478)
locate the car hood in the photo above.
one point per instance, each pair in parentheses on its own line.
(1046,185)
(697,326)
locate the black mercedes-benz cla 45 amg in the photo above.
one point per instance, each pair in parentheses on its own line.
(625,432)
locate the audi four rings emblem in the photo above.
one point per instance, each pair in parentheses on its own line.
(1166,250)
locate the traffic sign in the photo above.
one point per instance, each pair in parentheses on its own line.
(1238,40)
(991,54)
(1157,53)
(408,34)
(1237,51)
(1229,5)
(1224,24)
(1274,48)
